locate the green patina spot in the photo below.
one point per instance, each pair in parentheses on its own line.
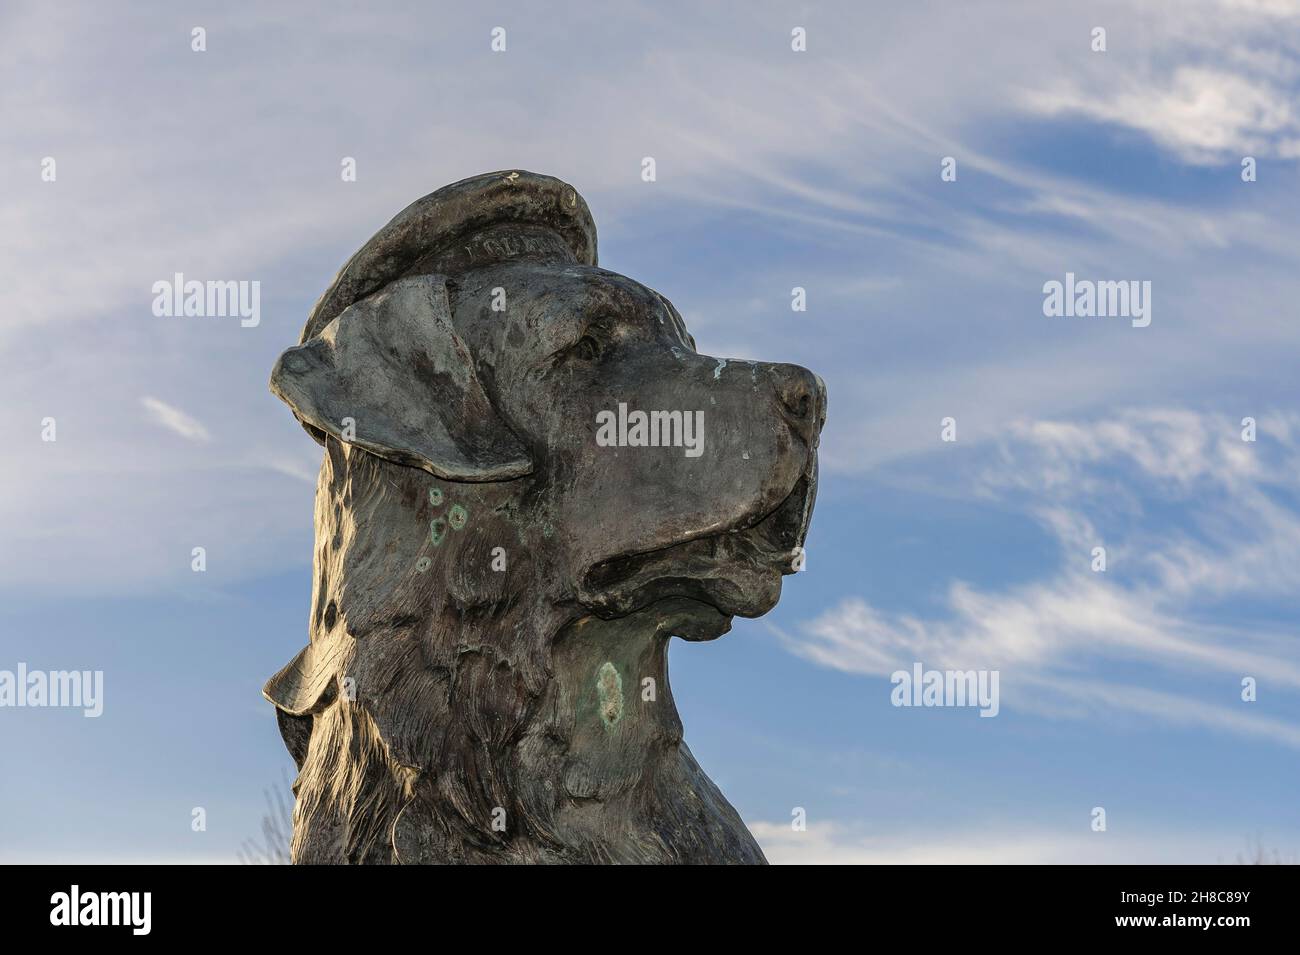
(435,496)
(423,564)
(437,530)
(457,517)
(609,688)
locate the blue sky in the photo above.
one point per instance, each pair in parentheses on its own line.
(775,169)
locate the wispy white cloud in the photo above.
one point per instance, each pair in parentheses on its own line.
(1234,536)
(1272,8)
(1209,82)
(175,420)
(1204,115)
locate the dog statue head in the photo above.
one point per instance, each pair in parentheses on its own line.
(531,482)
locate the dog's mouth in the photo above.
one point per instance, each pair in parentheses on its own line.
(737,571)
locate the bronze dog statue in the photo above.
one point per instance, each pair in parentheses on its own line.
(531,481)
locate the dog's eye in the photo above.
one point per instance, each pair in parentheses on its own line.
(586,348)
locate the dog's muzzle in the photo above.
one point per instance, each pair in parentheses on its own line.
(737,572)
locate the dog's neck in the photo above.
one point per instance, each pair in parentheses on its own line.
(612,704)
(600,772)
(490,719)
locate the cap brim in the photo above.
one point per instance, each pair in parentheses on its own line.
(473,222)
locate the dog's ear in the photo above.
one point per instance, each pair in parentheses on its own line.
(390,375)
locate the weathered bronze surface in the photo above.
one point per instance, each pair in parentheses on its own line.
(503,552)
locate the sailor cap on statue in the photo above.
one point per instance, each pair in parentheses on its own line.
(474,222)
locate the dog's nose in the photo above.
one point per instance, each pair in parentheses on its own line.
(803,398)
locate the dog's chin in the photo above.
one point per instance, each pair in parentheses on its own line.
(735,573)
